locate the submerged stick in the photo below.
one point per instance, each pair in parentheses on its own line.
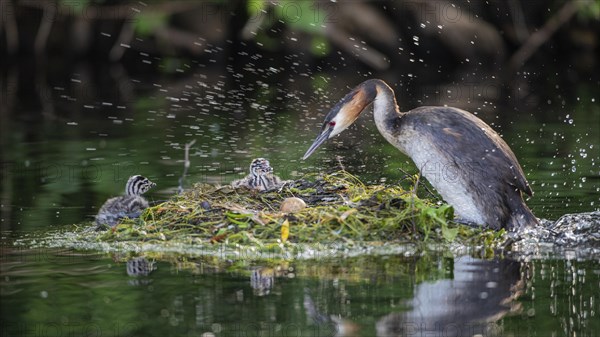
(186,165)
(339,160)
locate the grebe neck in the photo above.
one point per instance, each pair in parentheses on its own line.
(385,110)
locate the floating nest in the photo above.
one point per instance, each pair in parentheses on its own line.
(339,209)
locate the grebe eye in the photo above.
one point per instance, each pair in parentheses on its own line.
(332,123)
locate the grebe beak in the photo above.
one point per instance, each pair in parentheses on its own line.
(320,140)
(343,114)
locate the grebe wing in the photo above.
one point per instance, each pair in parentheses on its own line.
(470,143)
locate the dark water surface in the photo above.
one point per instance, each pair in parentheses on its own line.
(71,138)
(62,293)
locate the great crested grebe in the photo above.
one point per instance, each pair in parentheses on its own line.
(130,205)
(261,177)
(466,161)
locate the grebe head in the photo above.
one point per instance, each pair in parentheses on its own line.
(138,185)
(260,166)
(344,113)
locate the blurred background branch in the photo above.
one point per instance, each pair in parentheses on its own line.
(377,34)
(537,39)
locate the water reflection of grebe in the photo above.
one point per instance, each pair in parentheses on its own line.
(139,266)
(262,280)
(479,294)
(485,181)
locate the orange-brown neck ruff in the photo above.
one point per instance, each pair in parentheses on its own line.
(358,100)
